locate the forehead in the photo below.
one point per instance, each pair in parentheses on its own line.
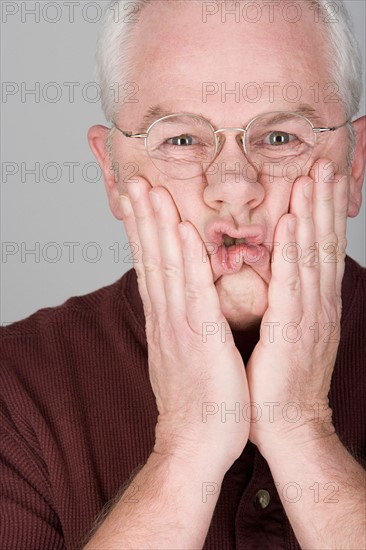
(182,49)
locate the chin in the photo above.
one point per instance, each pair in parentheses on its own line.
(243,298)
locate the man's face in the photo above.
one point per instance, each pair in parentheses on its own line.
(179,50)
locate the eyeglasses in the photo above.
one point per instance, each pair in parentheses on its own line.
(184,145)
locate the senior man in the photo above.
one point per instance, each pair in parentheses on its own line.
(217,399)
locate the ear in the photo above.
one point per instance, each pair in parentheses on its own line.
(358,168)
(97,137)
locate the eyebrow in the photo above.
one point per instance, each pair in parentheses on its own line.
(309,112)
(157,111)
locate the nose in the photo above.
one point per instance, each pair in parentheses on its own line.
(232,182)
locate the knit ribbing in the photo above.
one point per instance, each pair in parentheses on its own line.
(77,417)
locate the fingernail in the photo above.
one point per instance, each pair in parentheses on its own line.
(308,190)
(182,230)
(155,199)
(125,206)
(291,224)
(134,190)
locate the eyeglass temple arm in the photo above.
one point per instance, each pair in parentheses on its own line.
(129,134)
(331,129)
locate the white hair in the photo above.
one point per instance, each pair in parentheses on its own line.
(115,46)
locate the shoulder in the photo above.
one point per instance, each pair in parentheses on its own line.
(96,304)
(353,290)
(46,362)
(348,381)
(73,337)
(354,269)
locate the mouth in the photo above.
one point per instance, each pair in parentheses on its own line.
(230,241)
(235,252)
(232,248)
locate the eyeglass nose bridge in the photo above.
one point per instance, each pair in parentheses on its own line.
(220,142)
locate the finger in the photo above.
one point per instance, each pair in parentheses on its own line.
(341,199)
(323,207)
(167,219)
(302,207)
(284,292)
(136,251)
(202,302)
(138,191)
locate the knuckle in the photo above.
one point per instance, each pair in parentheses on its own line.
(341,213)
(293,285)
(153,327)
(170,270)
(142,218)
(147,311)
(327,197)
(151,264)
(342,247)
(140,273)
(164,226)
(192,292)
(309,259)
(330,240)
(329,306)
(307,215)
(341,255)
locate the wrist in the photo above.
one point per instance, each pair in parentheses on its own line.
(302,441)
(311,423)
(193,453)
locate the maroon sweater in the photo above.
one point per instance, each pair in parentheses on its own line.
(77,417)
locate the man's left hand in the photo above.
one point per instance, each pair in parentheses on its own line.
(290,370)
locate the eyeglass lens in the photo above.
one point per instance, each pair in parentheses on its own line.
(181,146)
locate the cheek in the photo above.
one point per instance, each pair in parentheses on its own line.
(131,162)
(276,201)
(190,206)
(187,196)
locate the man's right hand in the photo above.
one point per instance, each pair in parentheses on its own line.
(197,378)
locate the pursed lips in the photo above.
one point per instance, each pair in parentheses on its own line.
(231,247)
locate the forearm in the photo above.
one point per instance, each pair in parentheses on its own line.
(322,488)
(170,506)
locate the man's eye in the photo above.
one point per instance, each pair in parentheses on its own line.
(182,140)
(279,138)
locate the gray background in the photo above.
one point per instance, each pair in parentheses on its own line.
(43,216)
